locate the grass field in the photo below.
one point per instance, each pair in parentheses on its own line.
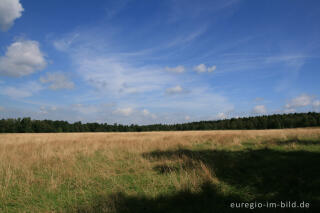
(194,171)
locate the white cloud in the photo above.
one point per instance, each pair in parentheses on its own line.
(16,92)
(124,111)
(57,80)
(221,115)
(213,68)
(22,91)
(121,79)
(43,110)
(145,112)
(316,103)
(9,11)
(178,69)
(85,109)
(187,117)
(174,90)
(201,68)
(22,58)
(64,44)
(115,77)
(260,109)
(294,61)
(300,101)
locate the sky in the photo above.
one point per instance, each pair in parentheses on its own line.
(158,61)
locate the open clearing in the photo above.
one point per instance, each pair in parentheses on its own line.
(193,171)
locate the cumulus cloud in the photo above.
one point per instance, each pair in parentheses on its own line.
(10,10)
(201,68)
(57,81)
(124,111)
(174,90)
(260,109)
(22,91)
(300,101)
(22,58)
(221,115)
(178,69)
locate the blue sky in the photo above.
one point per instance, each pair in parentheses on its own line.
(152,61)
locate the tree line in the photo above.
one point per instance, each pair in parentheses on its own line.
(278,121)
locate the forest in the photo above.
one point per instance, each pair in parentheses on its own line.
(277,121)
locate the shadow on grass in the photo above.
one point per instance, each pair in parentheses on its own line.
(269,174)
(208,200)
(294,142)
(264,174)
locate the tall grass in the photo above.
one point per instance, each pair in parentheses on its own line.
(156,171)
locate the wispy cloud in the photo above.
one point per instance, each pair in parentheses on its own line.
(114,77)
(113,8)
(65,43)
(300,101)
(57,80)
(177,69)
(175,90)
(189,9)
(124,111)
(25,90)
(316,104)
(122,80)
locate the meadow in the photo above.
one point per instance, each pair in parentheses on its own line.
(190,171)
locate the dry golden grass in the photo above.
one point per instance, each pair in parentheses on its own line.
(26,150)
(51,160)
